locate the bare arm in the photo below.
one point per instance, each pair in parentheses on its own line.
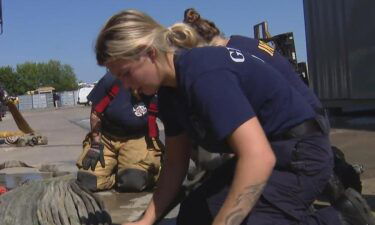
(254,166)
(172,175)
(95,123)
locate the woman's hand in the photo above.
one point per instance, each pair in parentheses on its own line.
(171,177)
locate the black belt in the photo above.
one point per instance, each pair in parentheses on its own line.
(121,137)
(304,129)
(115,130)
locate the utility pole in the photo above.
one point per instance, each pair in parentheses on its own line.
(1,18)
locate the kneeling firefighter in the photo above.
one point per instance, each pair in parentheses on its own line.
(123,139)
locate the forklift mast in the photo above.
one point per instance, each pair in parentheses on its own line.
(284,45)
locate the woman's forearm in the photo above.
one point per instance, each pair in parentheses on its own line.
(168,186)
(172,175)
(95,123)
(250,178)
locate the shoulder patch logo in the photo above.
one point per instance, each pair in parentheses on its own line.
(236,55)
(266,48)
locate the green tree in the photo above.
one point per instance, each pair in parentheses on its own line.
(10,80)
(30,76)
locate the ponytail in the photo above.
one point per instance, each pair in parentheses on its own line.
(183,36)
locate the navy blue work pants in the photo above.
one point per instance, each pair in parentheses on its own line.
(303,168)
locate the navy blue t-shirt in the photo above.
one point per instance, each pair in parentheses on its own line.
(220,88)
(276,60)
(125,115)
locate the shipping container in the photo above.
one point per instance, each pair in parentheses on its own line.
(49,98)
(340,39)
(25,102)
(39,101)
(67,98)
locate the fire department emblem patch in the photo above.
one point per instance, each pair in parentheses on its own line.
(139,109)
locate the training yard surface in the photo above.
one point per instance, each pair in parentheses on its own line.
(67,127)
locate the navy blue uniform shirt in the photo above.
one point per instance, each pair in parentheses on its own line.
(125,115)
(220,88)
(277,61)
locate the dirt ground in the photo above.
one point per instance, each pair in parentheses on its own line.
(67,127)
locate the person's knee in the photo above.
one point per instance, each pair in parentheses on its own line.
(132,180)
(95,182)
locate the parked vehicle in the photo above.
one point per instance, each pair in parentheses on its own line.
(83,92)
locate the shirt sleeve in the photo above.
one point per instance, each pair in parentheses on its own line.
(221,102)
(170,112)
(102,88)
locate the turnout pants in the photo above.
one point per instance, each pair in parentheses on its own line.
(131,163)
(304,165)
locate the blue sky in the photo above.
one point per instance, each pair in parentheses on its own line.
(65,30)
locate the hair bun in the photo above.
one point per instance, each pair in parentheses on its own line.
(205,28)
(191,15)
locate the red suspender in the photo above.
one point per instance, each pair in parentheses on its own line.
(152,110)
(152,114)
(102,105)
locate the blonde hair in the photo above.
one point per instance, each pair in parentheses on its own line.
(130,33)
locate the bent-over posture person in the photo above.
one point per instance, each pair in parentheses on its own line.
(122,148)
(228,101)
(344,176)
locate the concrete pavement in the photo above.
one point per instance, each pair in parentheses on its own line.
(67,127)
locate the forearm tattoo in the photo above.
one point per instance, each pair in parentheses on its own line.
(235,217)
(244,202)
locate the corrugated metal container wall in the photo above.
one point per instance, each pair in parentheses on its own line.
(39,101)
(361,47)
(67,98)
(25,102)
(341,48)
(49,97)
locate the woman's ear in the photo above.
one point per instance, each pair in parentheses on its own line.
(152,54)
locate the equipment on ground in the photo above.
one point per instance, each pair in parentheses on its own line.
(26,136)
(3,189)
(59,201)
(45,195)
